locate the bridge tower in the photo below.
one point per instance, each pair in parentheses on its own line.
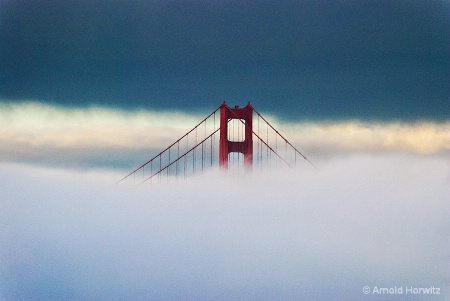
(245,115)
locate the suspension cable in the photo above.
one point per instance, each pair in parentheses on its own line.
(167,148)
(304,157)
(183,155)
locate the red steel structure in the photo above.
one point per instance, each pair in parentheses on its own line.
(245,115)
(196,150)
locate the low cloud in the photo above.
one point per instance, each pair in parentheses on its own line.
(311,234)
(100,137)
(92,137)
(423,137)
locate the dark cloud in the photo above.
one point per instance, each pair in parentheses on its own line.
(299,59)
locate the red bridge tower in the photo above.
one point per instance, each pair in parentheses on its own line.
(245,115)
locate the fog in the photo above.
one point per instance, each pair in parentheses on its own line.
(305,234)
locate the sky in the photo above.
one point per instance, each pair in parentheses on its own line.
(90,90)
(296,59)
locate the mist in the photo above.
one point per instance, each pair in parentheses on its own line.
(305,234)
(100,137)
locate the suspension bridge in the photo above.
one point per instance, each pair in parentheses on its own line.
(246,140)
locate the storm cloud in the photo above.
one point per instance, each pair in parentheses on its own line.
(300,59)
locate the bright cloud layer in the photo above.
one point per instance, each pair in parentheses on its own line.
(34,131)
